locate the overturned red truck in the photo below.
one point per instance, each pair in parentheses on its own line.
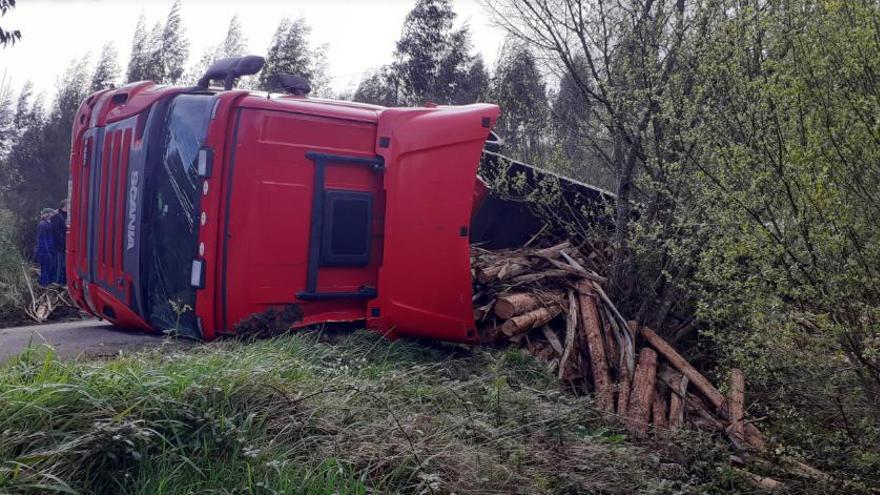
(194,209)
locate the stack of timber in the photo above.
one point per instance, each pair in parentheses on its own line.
(551,302)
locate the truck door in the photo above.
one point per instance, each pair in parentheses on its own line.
(304,217)
(431,158)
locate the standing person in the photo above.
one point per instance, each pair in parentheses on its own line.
(44,254)
(59,241)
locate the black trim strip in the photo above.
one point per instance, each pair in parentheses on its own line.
(317,157)
(317,223)
(321,160)
(226,235)
(364,293)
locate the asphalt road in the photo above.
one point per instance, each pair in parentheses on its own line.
(74,339)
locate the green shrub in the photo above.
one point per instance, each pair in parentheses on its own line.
(14,273)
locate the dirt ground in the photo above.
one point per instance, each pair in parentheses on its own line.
(75,339)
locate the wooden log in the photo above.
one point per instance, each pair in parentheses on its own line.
(488,274)
(551,337)
(523,323)
(535,277)
(516,303)
(595,277)
(623,388)
(611,350)
(754,438)
(642,394)
(565,371)
(624,349)
(572,266)
(550,251)
(735,405)
(801,469)
(701,417)
(658,409)
(503,267)
(512,269)
(677,401)
(589,318)
(762,482)
(700,382)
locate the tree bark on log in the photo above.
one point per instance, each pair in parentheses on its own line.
(603,386)
(701,383)
(762,482)
(677,402)
(623,387)
(551,337)
(658,410)
(523,323)
(565,371)
(735,405)
(702,417)
(529,278)
(642,394)
(552,250)
(509,305)
(512,269)
(611,351)
(754,438)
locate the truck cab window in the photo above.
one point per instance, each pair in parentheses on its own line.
(346,228)
(172,224)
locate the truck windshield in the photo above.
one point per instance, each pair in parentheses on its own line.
(172,222)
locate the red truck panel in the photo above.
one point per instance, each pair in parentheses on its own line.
(432,157)
(270,200)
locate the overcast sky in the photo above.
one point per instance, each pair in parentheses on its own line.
(360,34)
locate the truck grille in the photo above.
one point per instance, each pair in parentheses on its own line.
(106,200)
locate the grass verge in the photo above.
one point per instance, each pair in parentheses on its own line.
(297,415)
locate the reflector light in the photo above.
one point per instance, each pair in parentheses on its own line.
(197,276)
(205,160)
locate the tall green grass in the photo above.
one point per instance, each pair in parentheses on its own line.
(297,415)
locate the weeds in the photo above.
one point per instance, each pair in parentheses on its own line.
(295,415)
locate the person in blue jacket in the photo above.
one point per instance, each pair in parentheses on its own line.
(44,254)
(59,242)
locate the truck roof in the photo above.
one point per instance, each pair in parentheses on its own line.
(120,103)
(347,110)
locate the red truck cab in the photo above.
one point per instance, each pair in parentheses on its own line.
(203,211)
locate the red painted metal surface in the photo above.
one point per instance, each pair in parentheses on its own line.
(258,203)
(425,280)
(219,138)
(269,212)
